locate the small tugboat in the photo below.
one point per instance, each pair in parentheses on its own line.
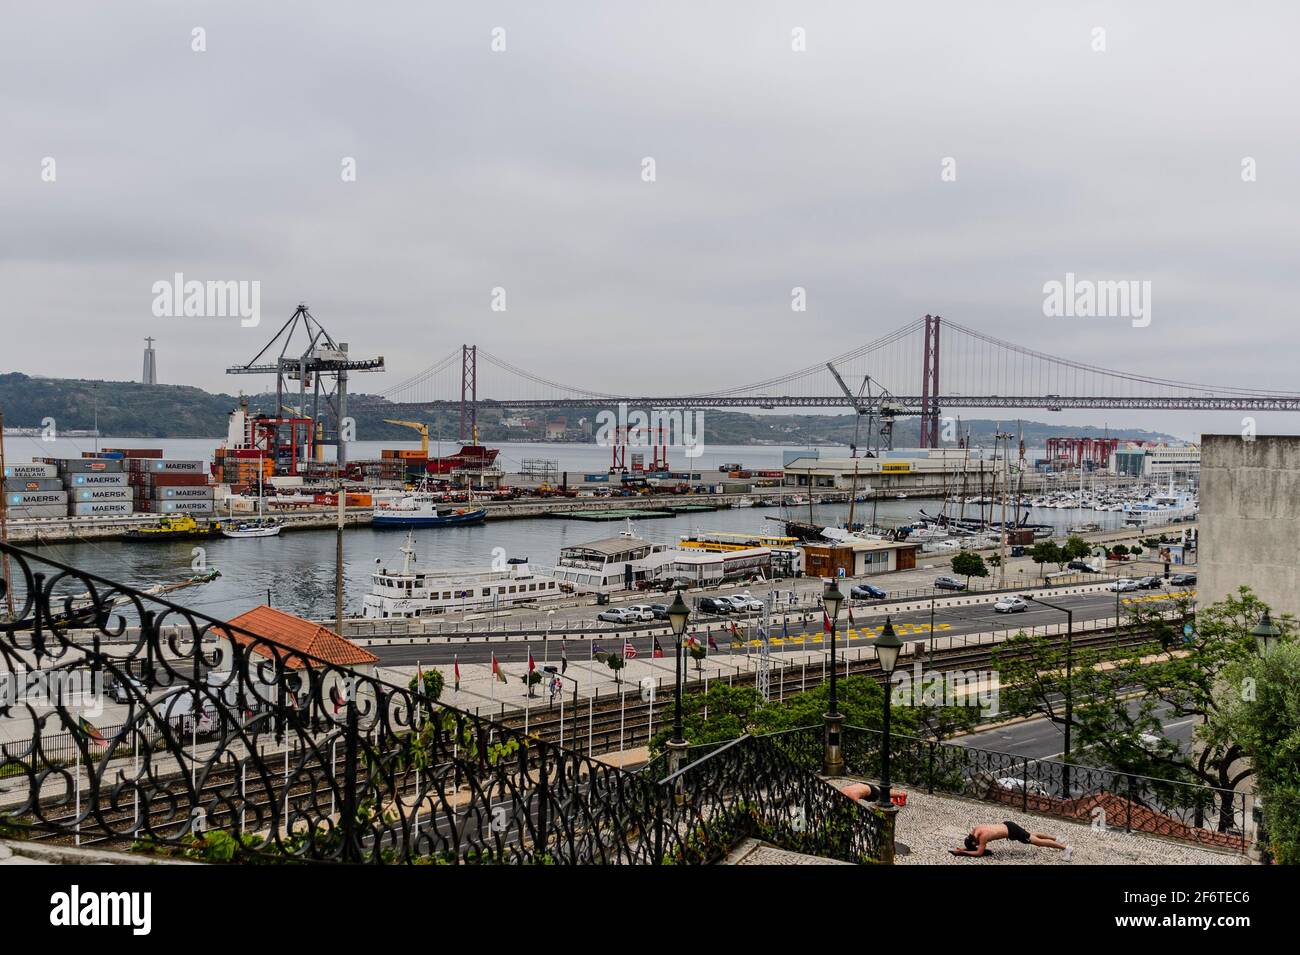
(174,527)
(416,512)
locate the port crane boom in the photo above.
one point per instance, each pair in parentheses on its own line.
(423,429)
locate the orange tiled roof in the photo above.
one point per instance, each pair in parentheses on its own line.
(296,633)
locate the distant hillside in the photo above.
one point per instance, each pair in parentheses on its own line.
(128,409)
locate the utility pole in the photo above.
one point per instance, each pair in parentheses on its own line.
(4,525)
(338,559)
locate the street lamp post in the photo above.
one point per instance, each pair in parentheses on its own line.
(832,601)
(1266,634)
(678,615)
(1069,691)
(888,646)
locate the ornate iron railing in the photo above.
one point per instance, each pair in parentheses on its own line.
(222,744)
(753,787)
(1205,815)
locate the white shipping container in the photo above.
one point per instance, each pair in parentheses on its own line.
(183,507)
(33,470)
(38,510)
(95,480)
(102,494)
(171,493)
(102,507)
(91,465)
(36,498)
(162,465)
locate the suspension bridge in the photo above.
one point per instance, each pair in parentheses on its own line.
(927,365)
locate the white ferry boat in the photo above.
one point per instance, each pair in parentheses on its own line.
(1162,509)
(415,591)
(610,564)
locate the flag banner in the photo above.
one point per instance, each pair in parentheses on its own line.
(659,651)
(564,658)
(851,617)
(90,731)
(336,698)
(532,664)
(455,669)
(496,669)
(826,623)
(629,651)
(713,644)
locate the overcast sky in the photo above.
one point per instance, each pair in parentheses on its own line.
(774,168)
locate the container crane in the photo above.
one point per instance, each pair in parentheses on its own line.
(423,429)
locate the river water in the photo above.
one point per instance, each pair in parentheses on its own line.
(298,566)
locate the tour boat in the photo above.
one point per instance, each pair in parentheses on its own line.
(415,591)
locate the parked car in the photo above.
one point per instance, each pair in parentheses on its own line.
(744,603)
(1183,580)
(716,605)
(1010,605)
(618,615)
(867,592)
(1015,784)
(948,583)
(1123,585)
(126,687)
(1150,583)
(1081,567)
(642,611)
(660,611)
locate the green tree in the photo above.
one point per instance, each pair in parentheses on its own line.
(616,663)
(969,564)
(1075,548)
(1046,552)
(1123,696)
(1259,709)
(698,653)
(433,684)
(531,679)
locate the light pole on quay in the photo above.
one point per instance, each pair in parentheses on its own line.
(888,647)
(678,615)
(1069,689)
(833,764)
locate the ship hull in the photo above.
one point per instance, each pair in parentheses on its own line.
(398,519)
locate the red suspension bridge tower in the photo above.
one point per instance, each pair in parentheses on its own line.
(930,384)
(469,393)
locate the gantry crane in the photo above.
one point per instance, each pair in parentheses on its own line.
(321,356)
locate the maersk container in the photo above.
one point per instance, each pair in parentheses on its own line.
(33,484)
(36,498)
(93,508)
(102,494)
(595,478)
(183,493)
(96,480)
(90,466)
(183,507)
(38,510)
(166,466)
(33,470)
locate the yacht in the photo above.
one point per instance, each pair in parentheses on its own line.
(414,591)
(268,527)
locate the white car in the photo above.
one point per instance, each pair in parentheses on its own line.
(744,602)
(1124,584)
(641,612)
(1010,605)
(1015,784)
(618,615)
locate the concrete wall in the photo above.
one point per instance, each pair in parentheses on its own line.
(1250,519)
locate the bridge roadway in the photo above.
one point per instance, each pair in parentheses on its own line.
(911,626)
(910,404)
